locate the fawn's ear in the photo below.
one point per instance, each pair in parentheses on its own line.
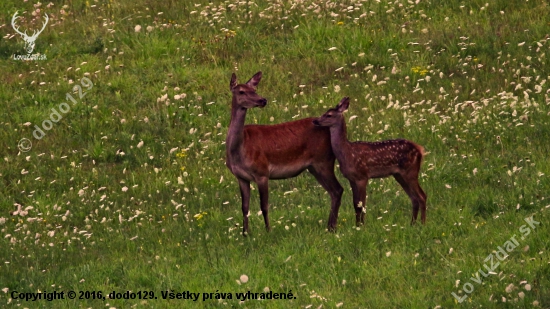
(233,81)
(343,105)
(255,80)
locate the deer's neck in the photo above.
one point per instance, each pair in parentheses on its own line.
(339,141)
(235,135)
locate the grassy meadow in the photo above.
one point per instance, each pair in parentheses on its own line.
(126,188)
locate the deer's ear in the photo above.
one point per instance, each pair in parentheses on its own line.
(255,80)
(233,81)
(343,105)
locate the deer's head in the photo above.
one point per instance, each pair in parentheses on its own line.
(244,95)
(334,115)
(29,40)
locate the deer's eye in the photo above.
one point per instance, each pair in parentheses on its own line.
(329,115)
(241,92)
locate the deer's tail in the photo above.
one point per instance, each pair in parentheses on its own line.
(421,152)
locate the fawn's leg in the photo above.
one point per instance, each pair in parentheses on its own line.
(415,193)
(422,200)
(359,189)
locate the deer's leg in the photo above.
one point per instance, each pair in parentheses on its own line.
(412,180)
(245,198)
(415,193)
(356,201)
(362,185)
(415,186)
(263,187)
(359,189)
(423,198)
(325,176)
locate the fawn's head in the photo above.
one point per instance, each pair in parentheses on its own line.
(244,95)
(334,115)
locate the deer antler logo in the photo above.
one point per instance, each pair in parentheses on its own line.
(29,40)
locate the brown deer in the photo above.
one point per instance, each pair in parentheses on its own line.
(360,161)
(261,152)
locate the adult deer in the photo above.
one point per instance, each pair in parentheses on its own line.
(360,161)
(261,152)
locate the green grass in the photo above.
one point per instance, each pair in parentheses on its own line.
(106,212)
